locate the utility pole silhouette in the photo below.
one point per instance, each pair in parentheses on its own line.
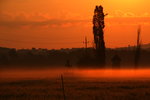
(98,26)
(63,88)
(138,48)
(86,45)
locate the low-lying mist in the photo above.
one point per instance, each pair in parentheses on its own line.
(73,72)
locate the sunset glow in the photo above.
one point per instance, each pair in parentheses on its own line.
(75,49)
(64,24)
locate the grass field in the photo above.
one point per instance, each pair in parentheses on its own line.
(76,88)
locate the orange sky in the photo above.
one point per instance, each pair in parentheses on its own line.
(65,23)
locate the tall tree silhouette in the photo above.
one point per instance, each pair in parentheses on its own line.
(98,26)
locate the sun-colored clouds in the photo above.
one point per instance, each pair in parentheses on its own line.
(52,22)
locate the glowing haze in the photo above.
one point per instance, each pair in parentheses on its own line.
(64,23)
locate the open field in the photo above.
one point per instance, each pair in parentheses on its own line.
(76,88)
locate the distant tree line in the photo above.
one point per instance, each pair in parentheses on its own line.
(58,58)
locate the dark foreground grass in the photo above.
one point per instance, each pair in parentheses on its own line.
(75,89)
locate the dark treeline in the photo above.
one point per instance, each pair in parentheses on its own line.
(67,57)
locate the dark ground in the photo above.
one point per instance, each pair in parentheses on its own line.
(75,89)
